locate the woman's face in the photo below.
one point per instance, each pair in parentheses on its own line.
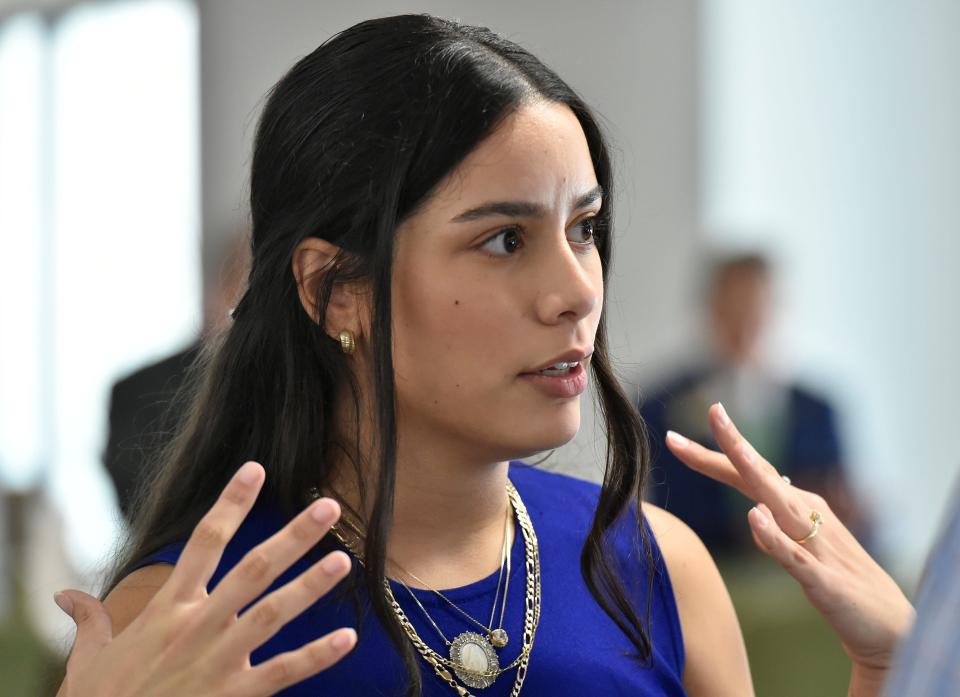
(496,278)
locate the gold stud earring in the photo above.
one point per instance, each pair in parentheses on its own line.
(347,342)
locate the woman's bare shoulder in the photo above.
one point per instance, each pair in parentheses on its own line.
(667,527)
(128,598)
(716,658)
(688,561)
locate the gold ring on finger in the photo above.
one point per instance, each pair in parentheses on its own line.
(816,520)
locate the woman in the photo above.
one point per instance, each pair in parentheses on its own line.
(431,237)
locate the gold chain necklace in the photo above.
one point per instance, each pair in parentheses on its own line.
(466,649)
(498,637)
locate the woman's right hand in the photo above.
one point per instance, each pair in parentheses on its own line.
(189,642)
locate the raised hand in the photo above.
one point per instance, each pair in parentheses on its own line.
(189,642)
(862,604)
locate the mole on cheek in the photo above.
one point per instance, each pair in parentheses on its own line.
(456,302)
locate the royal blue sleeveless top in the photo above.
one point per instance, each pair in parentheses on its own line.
(578,649)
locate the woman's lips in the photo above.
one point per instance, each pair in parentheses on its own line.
(564,386)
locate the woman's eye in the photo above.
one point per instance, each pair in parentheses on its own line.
(584,231)
(503,243)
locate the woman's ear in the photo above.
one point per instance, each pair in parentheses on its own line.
(312,260)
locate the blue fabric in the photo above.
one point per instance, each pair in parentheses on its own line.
(928,662)
(578,649)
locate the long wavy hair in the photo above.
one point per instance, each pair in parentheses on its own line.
(351,141)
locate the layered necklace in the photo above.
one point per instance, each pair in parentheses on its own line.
(497,638)
(472,656)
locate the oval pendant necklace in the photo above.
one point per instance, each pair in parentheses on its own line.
(480,662)
(471,650)
(472,656)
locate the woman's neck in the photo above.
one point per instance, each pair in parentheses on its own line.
(449,520)
(448,517)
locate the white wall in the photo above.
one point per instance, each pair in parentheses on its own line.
(634,62)
(831,134)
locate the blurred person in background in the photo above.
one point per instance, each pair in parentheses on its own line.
(146,405)
(795,427)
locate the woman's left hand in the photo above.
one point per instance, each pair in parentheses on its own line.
(859,600)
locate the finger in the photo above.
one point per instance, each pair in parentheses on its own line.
(206,544)
(789,511)
(291,667)
(264,619)
(757,541)
(707,462)
(265,562)
(94,627)
(794,558)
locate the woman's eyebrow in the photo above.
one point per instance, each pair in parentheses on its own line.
(510,209)
(595,194)
(522,209)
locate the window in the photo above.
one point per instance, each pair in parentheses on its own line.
(99,206)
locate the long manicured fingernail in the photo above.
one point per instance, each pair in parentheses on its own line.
(63,602)
(760,517)
(722,415)
(343,639)
(677,439)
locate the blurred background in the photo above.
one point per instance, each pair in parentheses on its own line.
(788,238)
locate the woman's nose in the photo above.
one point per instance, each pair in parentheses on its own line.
(569,291)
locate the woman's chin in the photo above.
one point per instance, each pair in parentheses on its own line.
(533,441)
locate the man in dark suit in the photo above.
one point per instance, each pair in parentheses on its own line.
(146,406)
(143,418)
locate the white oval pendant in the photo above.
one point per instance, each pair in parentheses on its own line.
(476,656)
